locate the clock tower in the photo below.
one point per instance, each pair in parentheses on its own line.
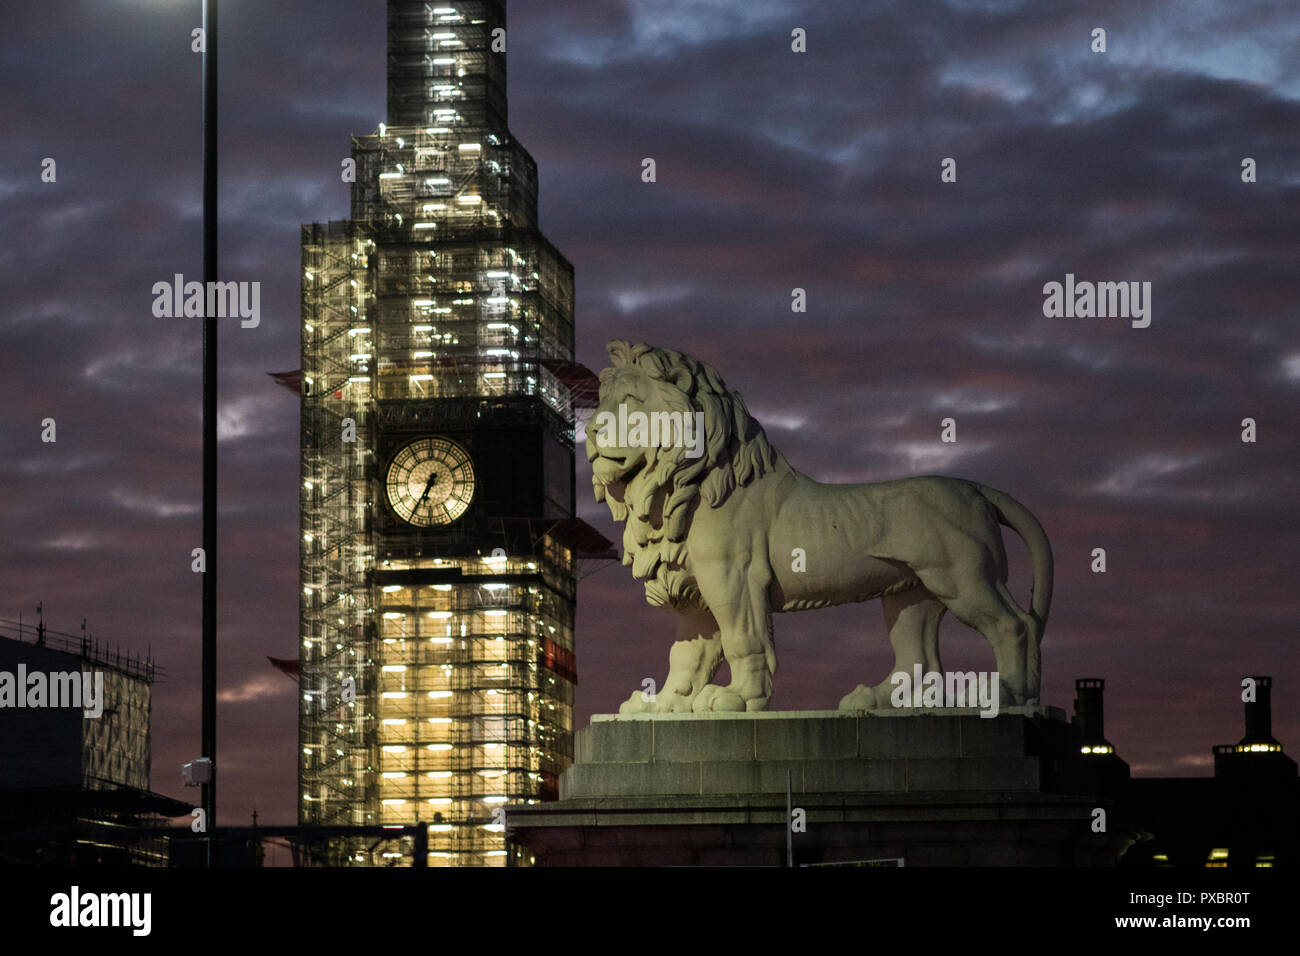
(439,547)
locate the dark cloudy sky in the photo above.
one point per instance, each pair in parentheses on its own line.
(776,171)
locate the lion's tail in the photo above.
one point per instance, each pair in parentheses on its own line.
(1022,521)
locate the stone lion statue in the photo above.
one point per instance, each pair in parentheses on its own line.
(716,522)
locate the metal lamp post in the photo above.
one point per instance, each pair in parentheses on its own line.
(209,726)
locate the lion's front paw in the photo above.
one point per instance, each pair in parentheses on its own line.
(637,704)
(661,703)
(861,698)
(716,697)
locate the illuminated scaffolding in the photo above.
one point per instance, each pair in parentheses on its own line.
(75,789)
(436,670)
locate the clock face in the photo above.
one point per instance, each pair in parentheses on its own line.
(430,482)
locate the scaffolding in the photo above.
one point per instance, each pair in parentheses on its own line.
(462,280)
(114,747)
(476,696)
(442,65)
(436,668)
(75,789)
(336,736)
(465,678)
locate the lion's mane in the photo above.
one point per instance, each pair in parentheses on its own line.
(659,503)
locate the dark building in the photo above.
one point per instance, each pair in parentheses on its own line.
(439,548)
(1246,815)
(74,787)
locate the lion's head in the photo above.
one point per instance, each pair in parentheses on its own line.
(697,443)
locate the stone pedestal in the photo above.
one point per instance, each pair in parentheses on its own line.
(940,787)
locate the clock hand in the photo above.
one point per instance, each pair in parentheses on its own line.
(427,488)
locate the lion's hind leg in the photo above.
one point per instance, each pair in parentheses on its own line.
(988,606)
(912,617)
(1033,645)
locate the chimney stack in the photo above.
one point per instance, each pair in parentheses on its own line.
(1090,716)
(1259,713)
(1257,756)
